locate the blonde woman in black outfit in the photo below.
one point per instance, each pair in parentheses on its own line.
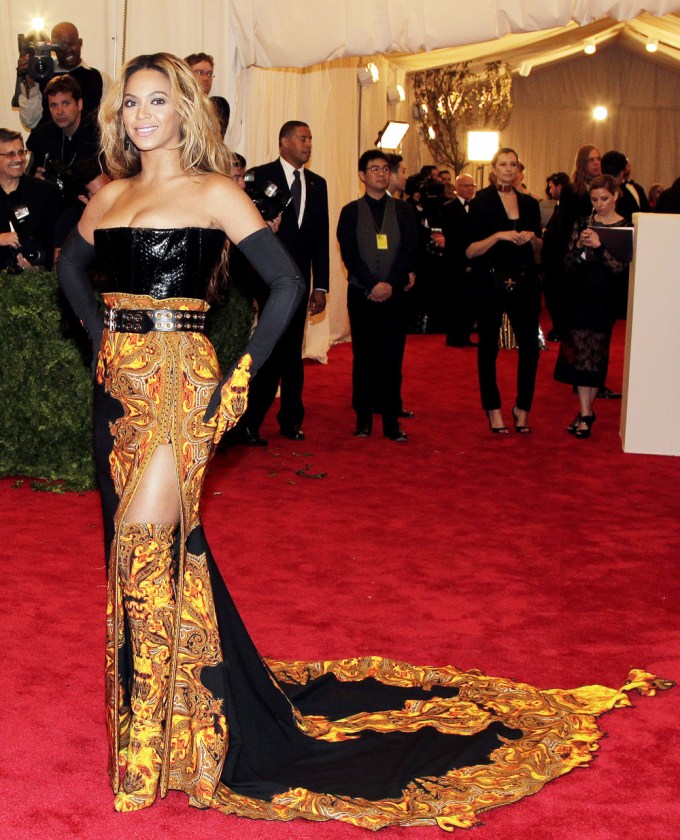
(504,235)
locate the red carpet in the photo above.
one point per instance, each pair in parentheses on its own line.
(541,558)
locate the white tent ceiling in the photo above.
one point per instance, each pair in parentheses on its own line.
(307,33)
(534,49)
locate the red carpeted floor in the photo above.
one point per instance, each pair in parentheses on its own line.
(542,558)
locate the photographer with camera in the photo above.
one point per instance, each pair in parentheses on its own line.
(29,209)
(36,66)
(66,140)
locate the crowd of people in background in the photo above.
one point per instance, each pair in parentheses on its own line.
(432,252)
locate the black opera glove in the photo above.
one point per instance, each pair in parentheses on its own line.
(74,259)
(275,266)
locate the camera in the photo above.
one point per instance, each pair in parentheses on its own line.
(268,201)
(69,183)
(29,246)
(39,48)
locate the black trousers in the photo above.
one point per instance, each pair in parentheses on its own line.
(378,335)
(461,306)
(523,307)
(284,366)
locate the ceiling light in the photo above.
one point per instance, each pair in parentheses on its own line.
(368,75)
(482,145)
(652,45)
(600,113)
(396,94)
(391,135)
(590,47)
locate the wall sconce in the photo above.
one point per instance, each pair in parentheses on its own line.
(652,45)
(590,47)
(391,135)
(396,94)
(420,110)
(368,75)
(600,113)
(482,145)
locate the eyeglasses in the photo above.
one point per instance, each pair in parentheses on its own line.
(376,169)
(208,73)
(19,153)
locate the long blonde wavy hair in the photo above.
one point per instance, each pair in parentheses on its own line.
(201,148)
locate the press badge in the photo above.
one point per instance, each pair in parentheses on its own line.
(381,241)
(22,211)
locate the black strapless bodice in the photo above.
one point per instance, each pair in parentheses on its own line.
(175,262)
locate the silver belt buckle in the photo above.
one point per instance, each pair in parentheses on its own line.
(164,320)
(110,321)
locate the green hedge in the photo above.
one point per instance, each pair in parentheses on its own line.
(45,383)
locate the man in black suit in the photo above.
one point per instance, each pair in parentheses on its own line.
(377,237)
(303,228)
(460,315)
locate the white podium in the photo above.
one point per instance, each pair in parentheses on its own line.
(650,413)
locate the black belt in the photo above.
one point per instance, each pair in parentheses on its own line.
(153,320)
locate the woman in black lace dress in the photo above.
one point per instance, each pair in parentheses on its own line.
(592,274)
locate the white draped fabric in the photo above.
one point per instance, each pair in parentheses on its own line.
(321,45)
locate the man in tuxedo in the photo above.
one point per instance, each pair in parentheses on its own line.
(460,305)
(303,228)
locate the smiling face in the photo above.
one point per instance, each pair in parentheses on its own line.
(12,162)
(67,36)
(603,201)
(505,168)
(149,116)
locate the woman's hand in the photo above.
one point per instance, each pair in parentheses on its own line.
(589,239)
(233,399)
(517,237)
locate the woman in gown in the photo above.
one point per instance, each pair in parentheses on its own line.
(504,231)
(593,275)
(191,705)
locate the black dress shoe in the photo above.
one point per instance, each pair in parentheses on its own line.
(362,430)
(292,432)
(408,415)
(248,437)
(607,394)
(394,432)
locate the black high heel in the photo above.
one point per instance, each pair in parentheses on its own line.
(588,419)
(521,430)
(497,430)
(571,428)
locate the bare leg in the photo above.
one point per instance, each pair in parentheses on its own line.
(157,496)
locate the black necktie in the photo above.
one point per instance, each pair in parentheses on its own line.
(296,192)
(466,204)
